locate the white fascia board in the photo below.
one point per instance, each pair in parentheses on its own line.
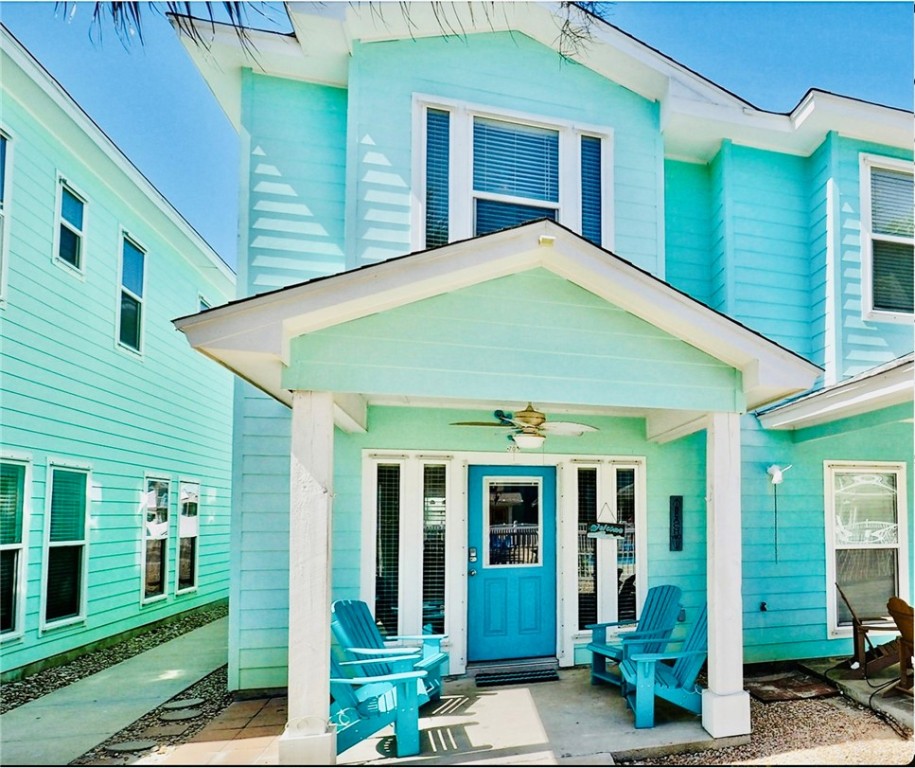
(268,323)
(25,80)
(853,398)
(666,426)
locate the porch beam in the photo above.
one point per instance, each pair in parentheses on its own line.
(725,704)
(307,739)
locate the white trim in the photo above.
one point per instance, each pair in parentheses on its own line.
(179,537)
(457,462)
(460,170)
(5,208)
(18,630)
(886,386)
(61,183)
(830,468)
(123,237)
(67,465)
(149,477)
(867,162)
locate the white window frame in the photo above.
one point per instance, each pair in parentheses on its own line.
(830,468)
(144,538)
(24,461)
(460,171)
(67,466)
(123,235)
(179,537)
(5,213)
(59,221)
(867,163)
(410,545)
(203,303)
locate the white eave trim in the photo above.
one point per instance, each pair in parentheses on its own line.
(262,327)
(888,385)
(21,57)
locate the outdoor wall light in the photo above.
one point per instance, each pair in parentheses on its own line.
(777,473)
(526,440)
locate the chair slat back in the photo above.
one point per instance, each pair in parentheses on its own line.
(686,669)
(354,627)
(904,616)
(659,614)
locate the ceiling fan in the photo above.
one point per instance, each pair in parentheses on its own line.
(530,426)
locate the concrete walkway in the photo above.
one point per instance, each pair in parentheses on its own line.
(59,727)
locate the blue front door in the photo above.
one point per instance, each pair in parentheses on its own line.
(511,569)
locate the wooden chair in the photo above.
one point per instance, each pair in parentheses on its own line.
(868,658)
(659,615)
(356,632)
(646,676)
(363,705)
(904,617)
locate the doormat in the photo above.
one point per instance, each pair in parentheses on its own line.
(515,677)
(788,686)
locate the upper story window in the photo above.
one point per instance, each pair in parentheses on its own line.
(484,172)
(130,323)
(886,238)
(70,226)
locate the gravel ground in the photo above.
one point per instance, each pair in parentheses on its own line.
(832,731)
(18,693)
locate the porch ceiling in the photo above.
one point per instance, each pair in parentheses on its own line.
(253,337)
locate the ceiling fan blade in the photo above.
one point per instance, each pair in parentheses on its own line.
(481,424)
(569,428)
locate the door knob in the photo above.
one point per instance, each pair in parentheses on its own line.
(472,572)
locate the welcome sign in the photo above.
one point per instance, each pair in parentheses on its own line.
(606,531)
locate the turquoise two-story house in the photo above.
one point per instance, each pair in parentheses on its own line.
(442,228)
(115,450)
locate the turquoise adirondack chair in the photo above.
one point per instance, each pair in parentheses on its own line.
(653,629)
(647,676)
(357,634)
(362,705)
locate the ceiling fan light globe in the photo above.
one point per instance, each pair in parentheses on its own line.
(528,441)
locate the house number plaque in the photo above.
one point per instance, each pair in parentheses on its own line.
(676,523)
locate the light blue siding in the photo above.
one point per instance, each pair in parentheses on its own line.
(688,233)
(70,394)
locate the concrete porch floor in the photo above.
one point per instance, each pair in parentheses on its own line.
(567,722)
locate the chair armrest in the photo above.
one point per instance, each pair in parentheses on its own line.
(606,624)
(644,637)
(395,678)
(393,650)
(416,637)
(367,662)
(667,656)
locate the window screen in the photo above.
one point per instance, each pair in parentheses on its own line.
(387,547)
(591,189)
(434,495)
(587,548)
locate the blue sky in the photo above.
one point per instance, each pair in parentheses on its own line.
(155,106)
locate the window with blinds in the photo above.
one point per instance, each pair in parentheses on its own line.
(387,547)
(591,217)
(434,507)
(12,505)
(587,548)
(66,548)
(891,240)
(438,152)
(155,534)
(188,535)
(4,194)
(515,174)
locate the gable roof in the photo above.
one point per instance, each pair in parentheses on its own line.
(696,113)
(252,336)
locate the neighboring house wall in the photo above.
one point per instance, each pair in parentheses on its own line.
(74,397)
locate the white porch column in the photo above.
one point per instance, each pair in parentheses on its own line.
(725,704)
(307,739)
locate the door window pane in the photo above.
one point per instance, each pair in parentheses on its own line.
(513,536)
(625,563)
(587,548)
